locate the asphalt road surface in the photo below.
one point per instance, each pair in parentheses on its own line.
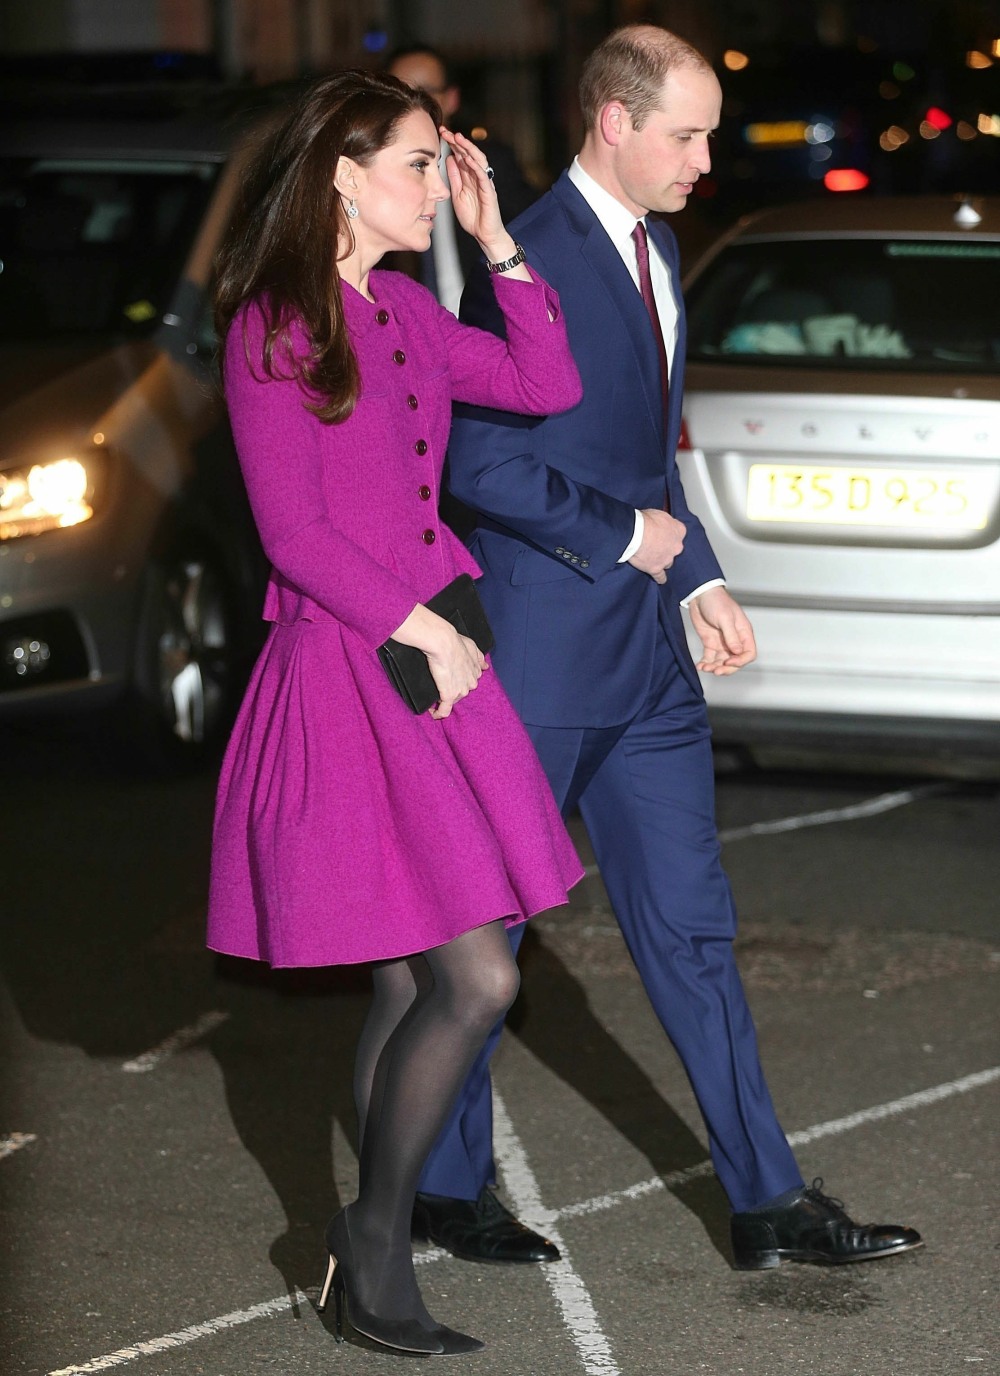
(175,1129)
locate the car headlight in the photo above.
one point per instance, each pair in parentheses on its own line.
(45,496)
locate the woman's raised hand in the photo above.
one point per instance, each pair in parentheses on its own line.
(474,201)
(473,195)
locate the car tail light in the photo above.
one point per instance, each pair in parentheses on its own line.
(845,179)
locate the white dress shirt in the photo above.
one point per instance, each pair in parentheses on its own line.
(619,224)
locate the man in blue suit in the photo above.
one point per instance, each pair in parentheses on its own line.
(589,552)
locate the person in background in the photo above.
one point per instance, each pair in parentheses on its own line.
(590,553)
(349,829)
(453,253)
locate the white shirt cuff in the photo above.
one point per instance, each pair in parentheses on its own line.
(636,540)
(712,583)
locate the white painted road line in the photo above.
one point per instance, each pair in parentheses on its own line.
(184,1335)
(572,1297)
(14,1141)
(833,1128)
(872,807)
(568,1290)
(921,1099)
(178,1041)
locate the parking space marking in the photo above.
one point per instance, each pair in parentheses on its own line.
(871,807)
(184,1336)
(570,1293)
(568,1290)
(922,1098)
(177,1041)
(14,1141)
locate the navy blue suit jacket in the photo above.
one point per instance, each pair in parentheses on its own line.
(576,630)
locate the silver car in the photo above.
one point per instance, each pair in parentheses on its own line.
(130,573)
(842,446)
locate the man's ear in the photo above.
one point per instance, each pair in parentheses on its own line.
(347,178)
(449,100)
(613,122)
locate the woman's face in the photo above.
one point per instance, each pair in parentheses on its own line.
(399,190)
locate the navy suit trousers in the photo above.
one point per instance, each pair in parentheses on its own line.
(646,792)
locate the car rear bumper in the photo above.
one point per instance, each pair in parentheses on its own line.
(879,734)
(886,684)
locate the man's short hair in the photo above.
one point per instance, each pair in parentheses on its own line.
(420,50)
(631,65)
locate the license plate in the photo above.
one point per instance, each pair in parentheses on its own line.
(914,498)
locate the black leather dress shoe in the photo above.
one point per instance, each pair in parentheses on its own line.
(814,1228)
(478,1230)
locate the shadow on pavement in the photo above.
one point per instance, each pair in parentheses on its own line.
(101,947)
(554,1020)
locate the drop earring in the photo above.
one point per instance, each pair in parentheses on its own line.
(352,211)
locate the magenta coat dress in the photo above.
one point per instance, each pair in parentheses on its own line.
(347,828)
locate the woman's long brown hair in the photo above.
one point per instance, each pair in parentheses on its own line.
(280,249)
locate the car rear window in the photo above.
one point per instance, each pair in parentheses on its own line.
(901,304)
(94,247)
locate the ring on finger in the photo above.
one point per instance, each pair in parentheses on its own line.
(489,171)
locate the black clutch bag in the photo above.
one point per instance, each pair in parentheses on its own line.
(407,667)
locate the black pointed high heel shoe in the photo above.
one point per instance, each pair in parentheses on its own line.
(406,1335)
(455,1344)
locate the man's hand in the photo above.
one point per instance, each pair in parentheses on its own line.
(725,632)
(662,541)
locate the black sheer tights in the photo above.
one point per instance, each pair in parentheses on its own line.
(429,1018)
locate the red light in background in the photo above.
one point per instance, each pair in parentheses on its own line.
(845,179)
(938,118)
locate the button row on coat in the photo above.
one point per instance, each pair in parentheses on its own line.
(572,558)
(423,491)
(382,316)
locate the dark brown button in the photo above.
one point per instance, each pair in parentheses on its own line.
(412,402)
(399,356)
(424,492)
(428,537)
(382,316)
(421,447)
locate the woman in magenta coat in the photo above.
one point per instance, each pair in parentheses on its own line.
(347,828)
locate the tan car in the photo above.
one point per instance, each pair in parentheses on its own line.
(130,574)
(842,447)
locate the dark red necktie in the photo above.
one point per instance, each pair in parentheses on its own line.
(646,288)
